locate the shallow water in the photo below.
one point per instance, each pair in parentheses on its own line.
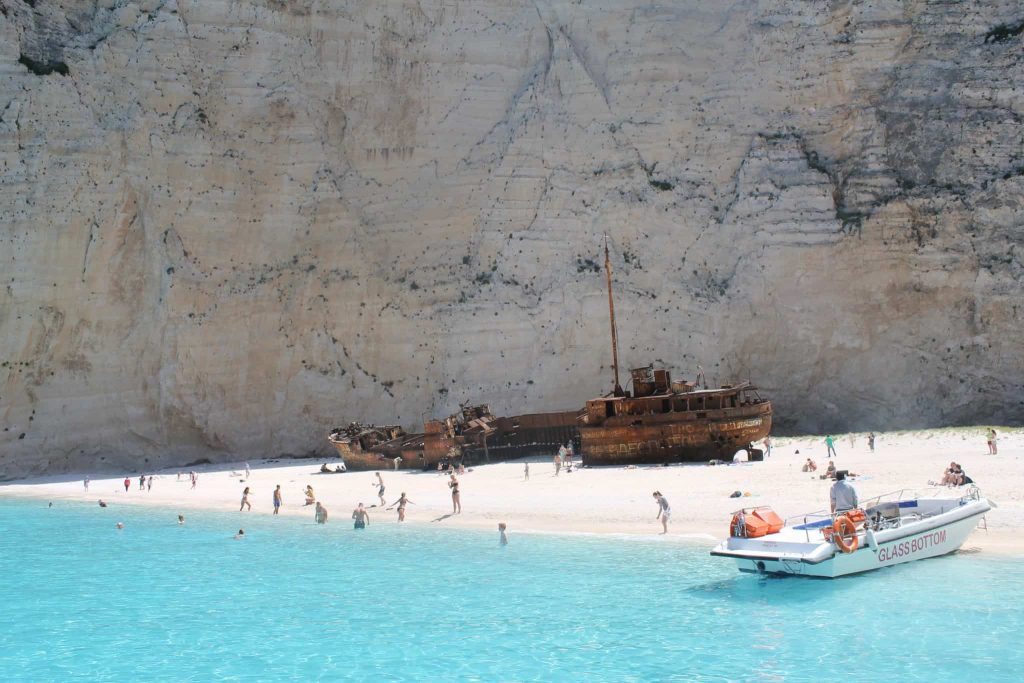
(158,601)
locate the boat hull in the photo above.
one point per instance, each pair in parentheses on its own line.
(675,437)
(929,538)
(358,460)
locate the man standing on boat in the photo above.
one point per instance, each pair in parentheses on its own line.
(843,496)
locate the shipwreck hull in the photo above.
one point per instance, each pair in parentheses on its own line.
(358,460)
(522,436)
(674,437)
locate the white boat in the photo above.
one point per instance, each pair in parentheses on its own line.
(891,529)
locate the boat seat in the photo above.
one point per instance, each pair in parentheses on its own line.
(820,524)
(884,511)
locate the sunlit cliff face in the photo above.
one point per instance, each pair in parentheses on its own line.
(228,226)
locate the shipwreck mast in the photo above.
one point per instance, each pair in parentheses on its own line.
(611,316)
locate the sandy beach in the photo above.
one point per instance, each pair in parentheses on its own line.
(611,501)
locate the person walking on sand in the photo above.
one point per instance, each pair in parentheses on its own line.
(664,511)
(767,446)
(558,461)
(321,513)
(195,479)
(361,517)
(127,483)
(831,446)
(142,481)
(456,501)
(277,499)
(247,471)
(85,482)
(380,487)
(871,442)
(401,502)
(992,448)
(502,536)
(149,483)
(245,500)
(526,471)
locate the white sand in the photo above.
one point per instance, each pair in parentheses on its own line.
(602,500)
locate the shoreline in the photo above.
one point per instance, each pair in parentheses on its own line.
(606,502)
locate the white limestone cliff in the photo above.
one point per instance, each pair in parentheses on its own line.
(231,224)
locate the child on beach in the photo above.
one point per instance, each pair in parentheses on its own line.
(664,510)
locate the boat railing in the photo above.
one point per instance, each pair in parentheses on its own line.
(813,522)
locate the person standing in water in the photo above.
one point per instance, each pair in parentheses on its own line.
(401,502)
(321,513)
(361,517)
(664,511)
(277,499)
(380,487)
(456,500)
(502,536)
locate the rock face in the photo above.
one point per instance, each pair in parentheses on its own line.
(231,224)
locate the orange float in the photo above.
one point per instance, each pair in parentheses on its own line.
(844,526)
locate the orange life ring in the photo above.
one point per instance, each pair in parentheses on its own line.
(845,526)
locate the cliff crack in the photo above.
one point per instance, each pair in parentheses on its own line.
(1004,32)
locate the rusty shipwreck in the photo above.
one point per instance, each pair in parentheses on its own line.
(472,436)
(660,421)
(664,421)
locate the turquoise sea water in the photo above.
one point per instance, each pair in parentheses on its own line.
(294,601)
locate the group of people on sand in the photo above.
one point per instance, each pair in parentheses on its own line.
(955,476)
(563,458)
